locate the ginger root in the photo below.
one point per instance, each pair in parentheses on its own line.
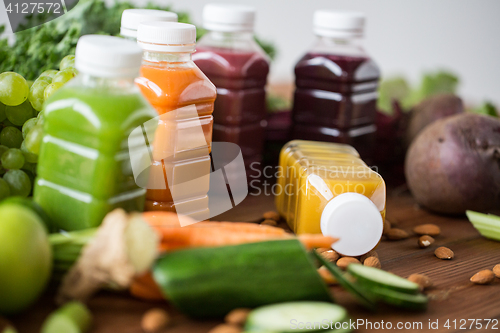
(124,247)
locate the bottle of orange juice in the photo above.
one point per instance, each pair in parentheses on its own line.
(326,188)
(184,99)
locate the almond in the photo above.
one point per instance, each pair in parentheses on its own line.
(271,215)
(387,226)
(427,229)
(372,253)
(330,255)
(344,261)
(327,277)
(237,317)
(444,253)
(323,249)
(483,277)
(496,271)
(270,222)
(372,262)
(396,234)
(422,280)
(225,328)
(155,320)
(425,241)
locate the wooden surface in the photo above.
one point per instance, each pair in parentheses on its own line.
(453,297)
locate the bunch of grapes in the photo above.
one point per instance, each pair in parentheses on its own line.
(21,120)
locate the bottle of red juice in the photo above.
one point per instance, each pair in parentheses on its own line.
(235,63)
(336,85)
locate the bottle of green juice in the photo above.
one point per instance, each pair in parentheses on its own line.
(84,168)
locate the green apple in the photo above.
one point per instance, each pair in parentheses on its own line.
(25,257)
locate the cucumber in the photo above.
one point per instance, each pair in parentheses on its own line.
(346,281)
(285,317)
(210,282)
(374,277)
(399,299)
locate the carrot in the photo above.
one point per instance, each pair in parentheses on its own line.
(312,241)
(146,288)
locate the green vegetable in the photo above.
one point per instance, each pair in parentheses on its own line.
(488,225)
(399,299)
(44,47)
(487,109)
(398,89)
(285,317)
(374,277)
(25,260)
(210,282)
(73,317)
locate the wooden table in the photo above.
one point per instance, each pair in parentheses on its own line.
(453,297)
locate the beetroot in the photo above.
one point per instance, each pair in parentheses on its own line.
(431,109)
(454,164)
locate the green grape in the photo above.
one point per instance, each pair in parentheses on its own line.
(11,137)
(3,149)
(40,117)
(67,61)
(47,79)
(18,115)
(49,73)
(4,189)
(28,156)
(63,76)
(29,167)
(51,88)
(7,122)
(2,170)
(13,89)
(36,95)
(28,125)
(19,182)
(34,139)
(2,112)
(13,159)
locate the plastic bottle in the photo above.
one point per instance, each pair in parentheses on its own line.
(184,99)
(84,168)
(131,18)
(327,188)
(336,85)
(235,63)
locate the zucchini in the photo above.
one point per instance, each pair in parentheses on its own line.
(374,277)
(210,282)
(399,299)
(346,281)
(285,317)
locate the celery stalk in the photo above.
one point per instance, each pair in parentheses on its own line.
(488,225)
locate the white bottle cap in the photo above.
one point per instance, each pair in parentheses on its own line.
(355,220)
(108,57)
(340,24)
(167,36)
(228,17)
(131,18)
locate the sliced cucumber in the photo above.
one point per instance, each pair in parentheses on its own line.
(399,299)
(373,277)
(295,316)
(346,282)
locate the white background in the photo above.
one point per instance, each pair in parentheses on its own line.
(404,36)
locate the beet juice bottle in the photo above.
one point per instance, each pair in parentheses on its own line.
(235,63)
(336,85)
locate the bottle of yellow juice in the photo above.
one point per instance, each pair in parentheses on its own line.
(326,188)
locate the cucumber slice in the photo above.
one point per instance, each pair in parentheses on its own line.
(344,280)
(373,277)
(291,316)
(399,299)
